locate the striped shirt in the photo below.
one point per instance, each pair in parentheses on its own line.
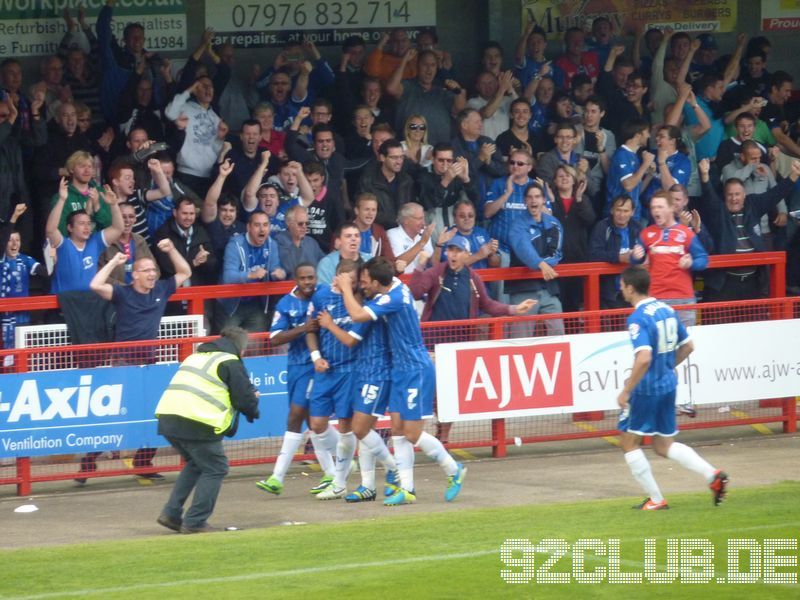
(340,357)
(375,357)
(396,309)
(290,312)
(654,326)
(514,206)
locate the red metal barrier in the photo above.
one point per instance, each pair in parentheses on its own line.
(497,434)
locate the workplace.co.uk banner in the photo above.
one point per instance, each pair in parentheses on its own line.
(582,373)
(88,410)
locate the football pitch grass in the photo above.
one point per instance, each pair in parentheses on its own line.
(444,555)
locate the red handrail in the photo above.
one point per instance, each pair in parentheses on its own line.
(591,270)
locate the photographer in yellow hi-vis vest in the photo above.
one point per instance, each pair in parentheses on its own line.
(201,405)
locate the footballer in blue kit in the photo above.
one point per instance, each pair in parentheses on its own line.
(290,324)
(370,401)
(660,343)
(413,376)
(333,389)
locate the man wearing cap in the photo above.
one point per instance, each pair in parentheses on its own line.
(704,58)
(454,291)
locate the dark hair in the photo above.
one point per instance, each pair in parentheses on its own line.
(314,168)
(518,101)
(443,147)
(601,19)
(183,200)
(255,213)
(305,263)
(348,225)
(756,53)
(389,145)
(491,44)
(164,157)
(431,32)
(623,61)
(72,215)
(681,35)
(322,102)
(779,78)
(130,27)
(351,42)
(228,199)
(632,127)
(706,81)
(638,278)
(321,128)
(579,80)
(621,199)
(380,270)
(732,181)
(745,116)
(8,62)
(538,31)
(675,134)
(572,30)
(599,101)
(532,186)
(463,202)
(565,125)
(637,74)
(251,123)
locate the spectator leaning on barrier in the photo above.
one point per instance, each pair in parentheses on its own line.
(140,306)
(78,254)
(192,241)
(734,223)
(612,241)
(295,246)
(373,237)
(195,428)
(250,258)
(410,237)
(672,252)
(453,291)
(16,269)
(130,245)
(347,244)
(536,241)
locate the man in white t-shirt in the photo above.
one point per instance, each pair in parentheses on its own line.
(410,237)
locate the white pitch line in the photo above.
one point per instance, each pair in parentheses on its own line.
(255,576)
(365,565)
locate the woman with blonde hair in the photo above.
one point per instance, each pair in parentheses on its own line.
(415,143)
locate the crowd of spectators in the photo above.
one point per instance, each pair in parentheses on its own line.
(654,150)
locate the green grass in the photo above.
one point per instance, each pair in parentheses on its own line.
(446,555)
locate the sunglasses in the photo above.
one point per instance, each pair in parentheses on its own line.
(517,163)
(415,127)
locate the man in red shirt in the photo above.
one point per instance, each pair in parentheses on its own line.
(671,251)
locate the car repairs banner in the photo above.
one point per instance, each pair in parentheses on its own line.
(261,23)
(780,15)
(626,16)
(35,27)
(583,373)
(88,410)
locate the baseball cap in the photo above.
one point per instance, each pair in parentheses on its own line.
(459,241)
(707,41)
